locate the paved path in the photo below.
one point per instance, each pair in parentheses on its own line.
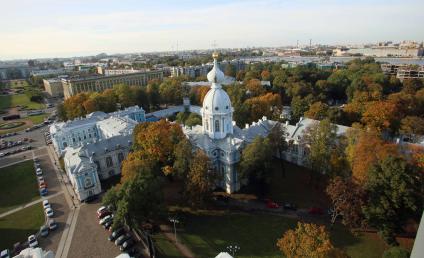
(74,205)
(29,204)
(169,233)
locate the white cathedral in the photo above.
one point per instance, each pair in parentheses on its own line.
(94,147)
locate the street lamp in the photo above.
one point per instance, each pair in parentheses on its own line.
(175,221)
(233,249)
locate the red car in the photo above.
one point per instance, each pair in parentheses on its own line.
(272,205)
(103,214)
(315,211)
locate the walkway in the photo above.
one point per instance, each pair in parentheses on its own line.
(169,233)
(29,204)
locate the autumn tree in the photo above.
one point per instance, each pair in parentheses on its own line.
(230,70)
(201,179)
(366,150)
(306,240)
(347,200)
(265,75)
(412,126)
(395,195)
(255,88)
(263,105)
(317,111)
(380,115)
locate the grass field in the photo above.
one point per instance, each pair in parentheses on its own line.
(37,119)
(19,225)
(18,185)
(18,99)
(295,186)
(18,84)
(165,248)
(207,235)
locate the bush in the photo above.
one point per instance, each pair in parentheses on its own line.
(396,252)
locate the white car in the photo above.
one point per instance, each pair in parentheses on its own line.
(2,154)
(105,219)
(101,209)
(38,172)
(32,241)
(46,204)
(49,212)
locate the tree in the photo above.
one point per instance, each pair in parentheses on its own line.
(277,140)
(368,148)
(321,141)
(347,200)
(193,119)
(395,252)
(262,105)
(255,87)
(265,75)
(125,96)
(306,240)
(183,154)
(412,126)
(380,115)
(230,70)
(201,179)
(395,195)
(317,111)
(298,107)
(256,160)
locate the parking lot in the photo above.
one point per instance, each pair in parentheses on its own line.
(90,239)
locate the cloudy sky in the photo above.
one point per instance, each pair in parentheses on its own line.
(61,28)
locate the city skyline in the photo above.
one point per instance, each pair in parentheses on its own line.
(65,29)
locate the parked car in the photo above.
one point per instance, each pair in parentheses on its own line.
(5,253)
(132,252)
(106,219)
(43,191)
(44,231)
(17,247)
(127,244)
(108,224)
(290,206)
(52,224)
(101,209)
(103,214)
(2,154)
(122,239)
(42,185)
(272,205)
(115,234)
(46,204)
(32,241)
(38,172)
(49,212)
(315,211)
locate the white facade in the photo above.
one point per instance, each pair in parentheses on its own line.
(94,147)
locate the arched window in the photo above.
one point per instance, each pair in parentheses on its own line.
(216,125)
(109,162)
(65,144)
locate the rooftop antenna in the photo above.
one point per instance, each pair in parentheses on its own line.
(297,44)
(310,43)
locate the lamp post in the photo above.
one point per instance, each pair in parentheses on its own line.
(174,221)
(233,249)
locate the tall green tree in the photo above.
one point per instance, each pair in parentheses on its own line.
(256,161)
(395,190)
(277,140)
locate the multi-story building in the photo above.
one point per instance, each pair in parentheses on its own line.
(73,86)
(403,71)
(53,87)
(94,147)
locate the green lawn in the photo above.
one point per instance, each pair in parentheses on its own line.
(19,225)
(207,235)
(164,247)
(18,185)
(18,84)
(37,119)
(18,99)
(295,186)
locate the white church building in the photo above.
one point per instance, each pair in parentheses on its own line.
(94,147)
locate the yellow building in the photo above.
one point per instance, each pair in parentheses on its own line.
(74,86)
